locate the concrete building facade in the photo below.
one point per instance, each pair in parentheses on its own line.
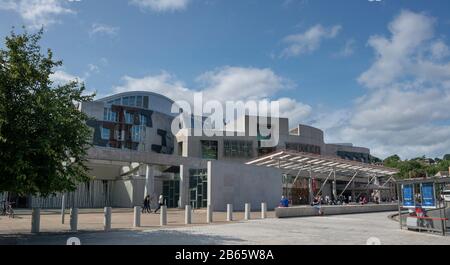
(135,153)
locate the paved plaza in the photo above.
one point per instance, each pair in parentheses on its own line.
(91,220)
(327,230)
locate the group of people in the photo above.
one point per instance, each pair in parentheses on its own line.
(340,200)
(147,204)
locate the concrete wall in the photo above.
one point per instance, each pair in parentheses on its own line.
(239,184)
(138,192)
(303,211)
(123,193)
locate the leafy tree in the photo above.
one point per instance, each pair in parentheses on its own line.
(392,161)
(416,168)
(447,157)
(43,136)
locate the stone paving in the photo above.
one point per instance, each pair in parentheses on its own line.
(327,230)
(122,219)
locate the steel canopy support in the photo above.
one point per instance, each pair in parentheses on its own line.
(311,192)
(324,183)
(335,197)
(348,184)
(367,186)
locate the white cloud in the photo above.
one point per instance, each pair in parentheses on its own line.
(308,41)
(102,29)
(407,109)
(234,83)
(61,77)
(163,83)
(161,5)
(224,84)
(402,54)
(439,50)
(347,50)
(38,13)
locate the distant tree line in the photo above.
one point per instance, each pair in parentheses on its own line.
(419,167)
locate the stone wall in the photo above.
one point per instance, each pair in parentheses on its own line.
(303,211)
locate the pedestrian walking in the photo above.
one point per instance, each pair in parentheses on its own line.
(160,202)
(146,208)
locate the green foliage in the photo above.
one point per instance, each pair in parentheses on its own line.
(420,167)
(43,136)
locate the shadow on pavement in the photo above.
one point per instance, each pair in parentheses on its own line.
(127,237)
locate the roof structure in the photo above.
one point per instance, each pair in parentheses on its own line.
(289,161)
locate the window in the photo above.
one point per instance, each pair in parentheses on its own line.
(137,133)
(139,101)
(125,101)
(106,133)
(109,115)
(129,117)
(132,101)
(304,148)
(143,120)
(239,149)
(209,149)
(145,102)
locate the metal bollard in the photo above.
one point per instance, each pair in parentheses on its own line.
(209,214)
(229,212)
(247,211)
(107,219)
(163,215)
(187,215)
(35,220)
(74,219)
(263,210)
(137,217)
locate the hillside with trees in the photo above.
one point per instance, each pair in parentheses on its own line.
(419,167)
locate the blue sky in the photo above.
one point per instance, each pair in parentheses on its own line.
(373,73)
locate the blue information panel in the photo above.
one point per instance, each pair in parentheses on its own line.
(408,196)
(428,198)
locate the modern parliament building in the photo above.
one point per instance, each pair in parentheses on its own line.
(134,153)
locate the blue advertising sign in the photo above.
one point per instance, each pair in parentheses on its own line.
(408,196)
(428,198)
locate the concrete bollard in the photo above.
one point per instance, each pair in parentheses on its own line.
(35,220)
(107,219)
(209,214)
(229,212)
(163,216)
(247,211)
(63,209)
(263,210)
(74,219)
(137,217)
(187,215)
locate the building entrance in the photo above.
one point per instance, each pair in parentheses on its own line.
(171,193)
(198,188)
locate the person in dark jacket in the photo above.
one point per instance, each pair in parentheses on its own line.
(146,208)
